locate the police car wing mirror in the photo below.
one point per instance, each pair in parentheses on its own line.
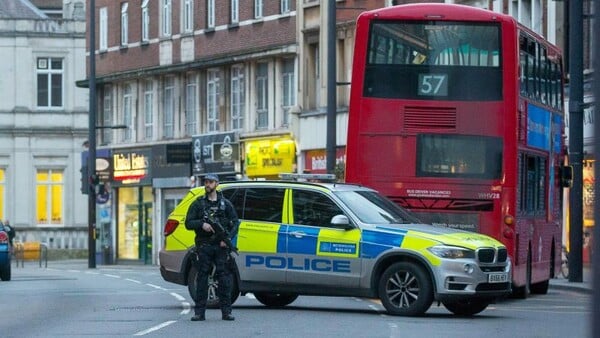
(341,221)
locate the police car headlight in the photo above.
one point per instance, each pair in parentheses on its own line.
(451,252)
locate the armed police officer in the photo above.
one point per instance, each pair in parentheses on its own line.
(215,222)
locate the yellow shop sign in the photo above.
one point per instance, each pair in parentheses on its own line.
(268,157)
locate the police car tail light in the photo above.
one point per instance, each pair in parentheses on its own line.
(3,237)
(452,252)
(170,226)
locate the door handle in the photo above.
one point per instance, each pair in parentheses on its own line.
(297,234)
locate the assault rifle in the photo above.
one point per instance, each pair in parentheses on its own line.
(221,234)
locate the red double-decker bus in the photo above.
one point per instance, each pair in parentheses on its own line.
(456,113)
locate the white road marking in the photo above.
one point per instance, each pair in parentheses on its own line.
(186,308)
(156,286)
(133,280)
(111,276)
(178,296)
(154,328)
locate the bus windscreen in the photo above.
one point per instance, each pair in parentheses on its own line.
(434,60)
(456,156)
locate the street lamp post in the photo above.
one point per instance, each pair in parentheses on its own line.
(92,141)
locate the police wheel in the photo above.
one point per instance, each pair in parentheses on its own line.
(467,307)
(213,300)
(405,289)
(275,299)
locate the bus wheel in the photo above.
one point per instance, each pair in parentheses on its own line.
(213,300)
(275,299)
(405,289)
(467,307)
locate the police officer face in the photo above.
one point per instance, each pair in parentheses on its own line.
(210,186)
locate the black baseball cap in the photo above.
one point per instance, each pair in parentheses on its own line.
(211,177)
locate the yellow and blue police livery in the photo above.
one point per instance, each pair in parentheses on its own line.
(332,239)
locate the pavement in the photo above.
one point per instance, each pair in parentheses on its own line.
(585,286)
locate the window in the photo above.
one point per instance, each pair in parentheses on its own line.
(212,100)
(103,33)
(262,95)
(235,11)
(188,16)
(2,190)
(49,82)
(145,22)
(107,115)
(531,197)
(263,204)
(445,156)
(289,89)
(169,108)
(258,9)
(210,13)
(313,92)
(127,113)
(148,109)
(124,24)
(238,97)
(285,6)
(312,208)
(166,18)
(191,104)
(49,196)
(455,54)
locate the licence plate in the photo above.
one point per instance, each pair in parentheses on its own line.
(498,277)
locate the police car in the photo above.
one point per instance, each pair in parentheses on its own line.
(332,239)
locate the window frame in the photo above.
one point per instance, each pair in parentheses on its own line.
(45,69)
(169,107)
(191,105)
(262,95)
(237,97)
(50,199)
(212,100)
(124,24)
(145,21)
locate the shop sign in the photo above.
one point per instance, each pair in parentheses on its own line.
(171,160)
(215,153)
(131,167)
(270,157)
(315,161)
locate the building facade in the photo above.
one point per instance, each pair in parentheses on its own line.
(233,87)
(43,123)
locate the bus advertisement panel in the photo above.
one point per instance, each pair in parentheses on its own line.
(456,113)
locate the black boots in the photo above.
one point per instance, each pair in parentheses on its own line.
(200,318)
(227,316)
(197,318)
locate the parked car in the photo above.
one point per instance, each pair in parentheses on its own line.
(5,254)
(331,239)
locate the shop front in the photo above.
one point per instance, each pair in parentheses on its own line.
(132,183)
(266,158)
(315,161)
(171,170)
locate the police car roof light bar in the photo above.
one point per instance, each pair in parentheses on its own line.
(307,177)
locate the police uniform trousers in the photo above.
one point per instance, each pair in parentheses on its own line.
(207,254)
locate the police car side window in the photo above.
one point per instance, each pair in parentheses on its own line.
(236,197)
(313,208)
(264,204)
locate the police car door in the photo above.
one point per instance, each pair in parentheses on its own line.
(319,253)
(261,248)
